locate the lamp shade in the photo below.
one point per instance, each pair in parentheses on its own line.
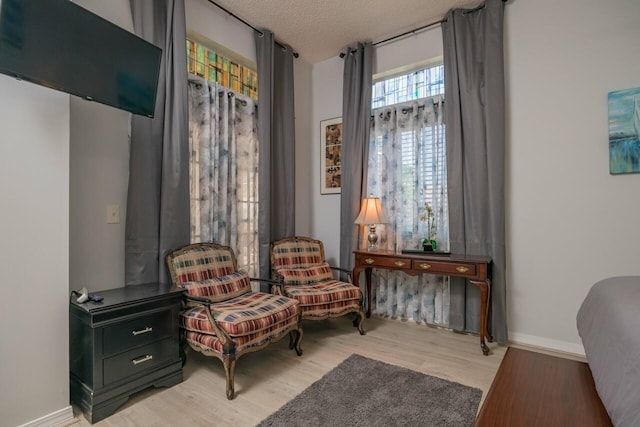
(371,212)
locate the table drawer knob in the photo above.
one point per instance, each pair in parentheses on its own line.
(142,331)
(142,359)
(425,266)
(399,263)
(369,260)
(462,269)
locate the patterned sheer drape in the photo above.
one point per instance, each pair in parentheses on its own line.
(407,168)
(223,169)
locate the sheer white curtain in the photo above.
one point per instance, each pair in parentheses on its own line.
(223,169)
(407,168)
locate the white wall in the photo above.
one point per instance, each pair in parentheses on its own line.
(34,251)
(569,222)
(99,173)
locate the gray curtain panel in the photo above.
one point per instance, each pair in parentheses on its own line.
(158,196)
(475,117)
(356,121)
(276,135)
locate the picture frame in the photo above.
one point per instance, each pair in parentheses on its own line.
(330,156)
(624,131)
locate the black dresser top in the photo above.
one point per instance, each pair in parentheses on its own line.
(117,297)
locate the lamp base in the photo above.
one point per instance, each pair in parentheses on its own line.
(373,238)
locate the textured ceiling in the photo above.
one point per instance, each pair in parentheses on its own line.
(319,29)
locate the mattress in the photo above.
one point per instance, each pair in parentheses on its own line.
(609,326)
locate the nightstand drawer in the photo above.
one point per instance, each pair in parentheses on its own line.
(386,262)
(138,360)
(136,332)
(445,268)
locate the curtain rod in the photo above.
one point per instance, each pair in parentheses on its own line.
(424,27)
(295,54)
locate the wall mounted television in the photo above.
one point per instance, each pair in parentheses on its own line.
(60,45)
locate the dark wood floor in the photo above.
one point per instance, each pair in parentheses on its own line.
(534,389)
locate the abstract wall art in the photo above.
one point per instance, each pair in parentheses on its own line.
(624,131)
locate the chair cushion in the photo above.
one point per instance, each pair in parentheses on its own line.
(298,253)
(220,288)
(201,263)
(247,314)
(306,275)
(208,343)
(327,298)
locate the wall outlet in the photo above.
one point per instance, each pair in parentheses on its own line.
(113,214)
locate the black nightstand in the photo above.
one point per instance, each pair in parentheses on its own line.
(123,344)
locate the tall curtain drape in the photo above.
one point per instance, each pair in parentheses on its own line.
(157,218)
(474,86)
(407,168)
(356,113)
(276,134)
(223,169)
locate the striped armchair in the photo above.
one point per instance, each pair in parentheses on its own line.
(222,317)
(299,267)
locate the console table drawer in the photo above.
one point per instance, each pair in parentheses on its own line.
(386,262)
(136,332)
(445,268)
(139,359)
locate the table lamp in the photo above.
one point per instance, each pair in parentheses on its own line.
(371,213)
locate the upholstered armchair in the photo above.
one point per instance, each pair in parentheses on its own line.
(222,317)
(302,273)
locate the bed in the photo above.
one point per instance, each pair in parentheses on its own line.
(609,325)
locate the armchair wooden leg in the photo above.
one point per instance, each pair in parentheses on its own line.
(294,341)
(229,362)
(359,322)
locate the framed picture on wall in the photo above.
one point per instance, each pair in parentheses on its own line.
(330,155)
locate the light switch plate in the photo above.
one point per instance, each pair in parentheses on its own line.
(113,214)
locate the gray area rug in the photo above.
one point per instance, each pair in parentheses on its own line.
(365,392)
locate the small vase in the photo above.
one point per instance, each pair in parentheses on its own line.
(427,245)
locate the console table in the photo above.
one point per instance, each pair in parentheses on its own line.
(475,268)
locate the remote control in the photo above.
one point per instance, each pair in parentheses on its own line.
(95,298)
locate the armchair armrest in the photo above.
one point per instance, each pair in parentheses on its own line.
(277,283)
(345,271)
(224,338)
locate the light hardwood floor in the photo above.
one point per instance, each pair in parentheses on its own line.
(267,379)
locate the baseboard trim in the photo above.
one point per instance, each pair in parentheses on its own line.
(546,343)
(60,417)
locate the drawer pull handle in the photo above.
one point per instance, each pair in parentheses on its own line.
(399,263)
(142,359)
(369,261)
(462,269)
(425,266)
(142,331)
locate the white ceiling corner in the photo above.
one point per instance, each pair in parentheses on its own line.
(319,29)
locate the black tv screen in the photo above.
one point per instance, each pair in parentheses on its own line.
(58,44)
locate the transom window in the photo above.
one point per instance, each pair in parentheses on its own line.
(419,84)
(211,65)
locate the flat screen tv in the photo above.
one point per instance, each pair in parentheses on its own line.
(58,44)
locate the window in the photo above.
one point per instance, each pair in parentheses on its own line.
(407,87)
(214,67)
(223,146)
(407,164)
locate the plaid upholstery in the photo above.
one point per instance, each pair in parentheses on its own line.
(202,263)
(248,314)
(294,254)
(326,298)
(220,288)
(306,275)
(210,343)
